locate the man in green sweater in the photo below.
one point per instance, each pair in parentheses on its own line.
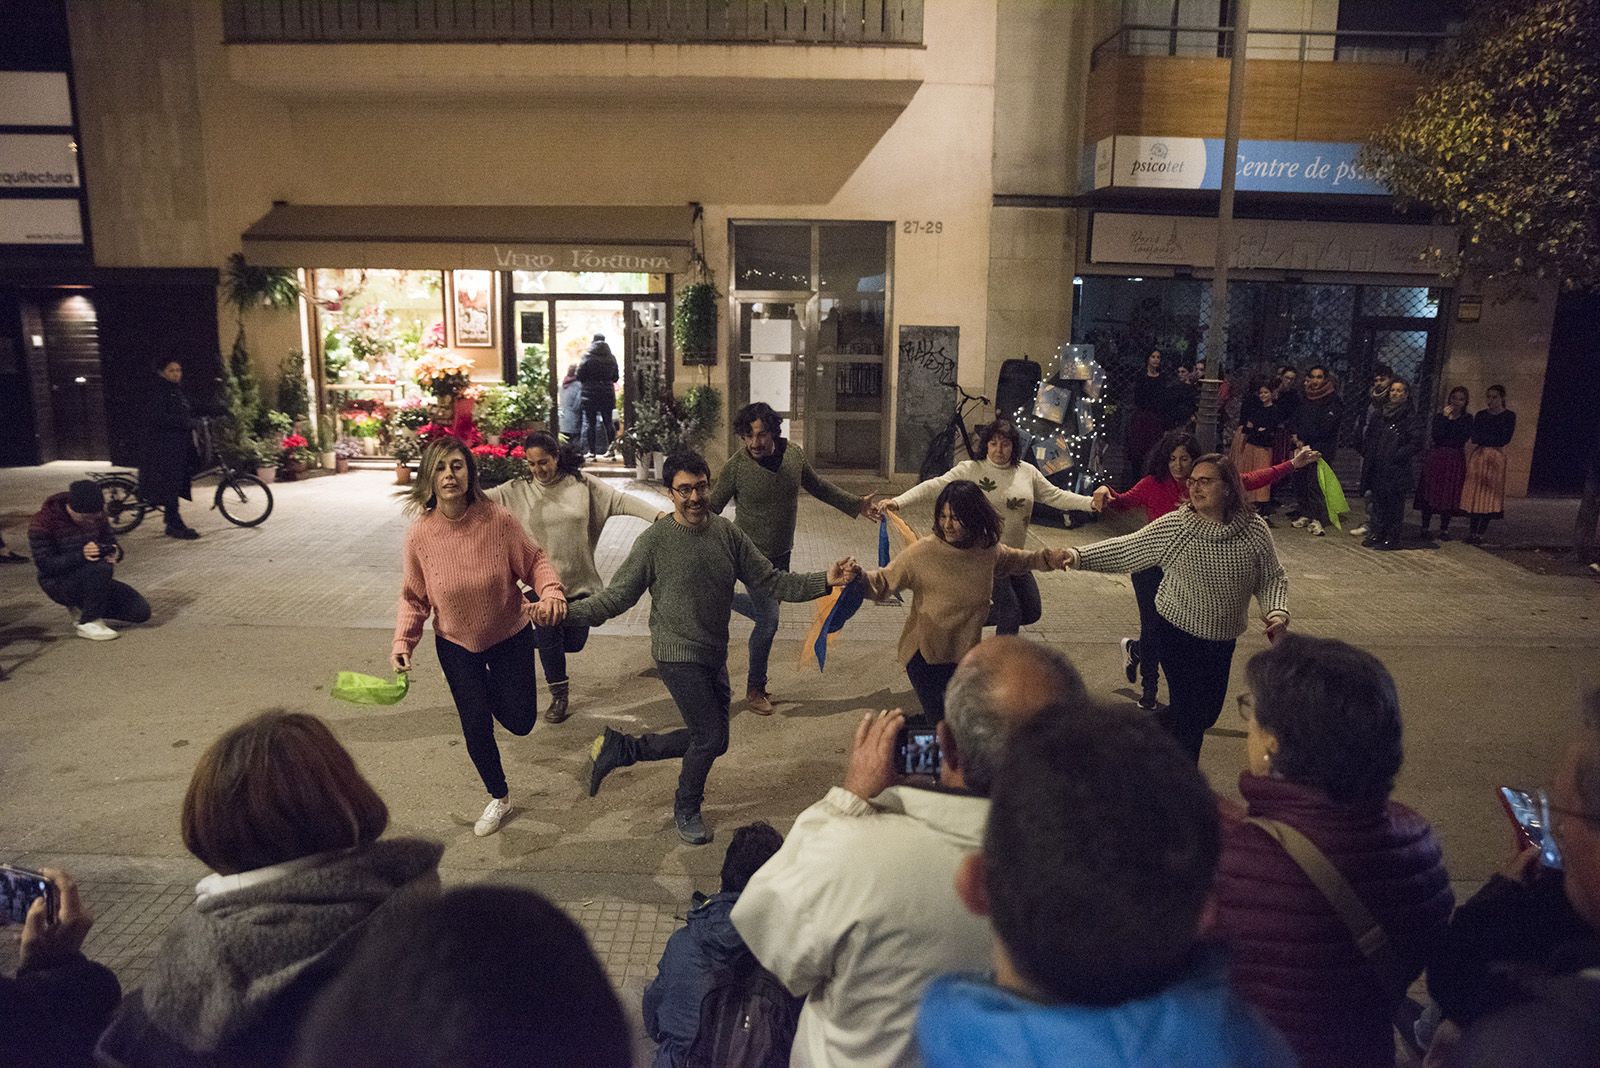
(689,564)
(765,479)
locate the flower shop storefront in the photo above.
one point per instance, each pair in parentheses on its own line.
(413,332)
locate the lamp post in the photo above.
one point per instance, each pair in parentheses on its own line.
(1217,333)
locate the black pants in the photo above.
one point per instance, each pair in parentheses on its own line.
(499,683)
(1145,584)
(1308,493)
(929,680)
(1016,603)
(594,418)
(1388,513)
(702,695)
(1444,519)
(96,595)
(169,509)
(1197,681)
(556,642)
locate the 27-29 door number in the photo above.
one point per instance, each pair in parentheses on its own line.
(914,226)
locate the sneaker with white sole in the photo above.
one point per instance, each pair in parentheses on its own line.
(95,631)
(1315,528)
(1358,532)
(1130,659)
(1301,522)
(497,810)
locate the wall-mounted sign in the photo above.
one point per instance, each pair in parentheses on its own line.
(1126,162)
(1269,244)
(1469,309)
(40,222)
(444,255)
(38,161)
(34,98)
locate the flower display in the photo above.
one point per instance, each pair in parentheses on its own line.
(442,373)
(497,464)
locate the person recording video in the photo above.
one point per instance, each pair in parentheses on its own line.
(76,555)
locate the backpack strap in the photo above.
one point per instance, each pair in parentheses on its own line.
(1369,935)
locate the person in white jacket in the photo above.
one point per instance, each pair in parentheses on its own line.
(564,511)
(1013,487)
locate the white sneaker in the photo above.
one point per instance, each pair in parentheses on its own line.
(1303,521)
(489,822)
(95,631)
(1358,532)
(1315,528)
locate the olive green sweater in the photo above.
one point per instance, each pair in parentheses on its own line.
(690,572)
(769,501)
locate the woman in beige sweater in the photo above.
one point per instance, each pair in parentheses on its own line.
(950,574)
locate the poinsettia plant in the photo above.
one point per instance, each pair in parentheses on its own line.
(498,463)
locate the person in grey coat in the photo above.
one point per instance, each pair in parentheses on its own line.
(278,811)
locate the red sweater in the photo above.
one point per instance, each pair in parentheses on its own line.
(465,573)
(1159,498)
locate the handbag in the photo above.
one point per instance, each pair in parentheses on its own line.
(1370,937)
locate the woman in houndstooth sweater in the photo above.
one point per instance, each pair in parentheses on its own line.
(1215,554)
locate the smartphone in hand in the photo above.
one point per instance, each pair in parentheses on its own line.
(1530,816)
(916,751)
(19,888)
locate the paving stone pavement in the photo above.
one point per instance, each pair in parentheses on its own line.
(1489,658)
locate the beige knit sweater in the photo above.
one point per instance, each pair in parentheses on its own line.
(950,593)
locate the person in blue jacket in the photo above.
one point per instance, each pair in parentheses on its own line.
(698,951)
(1096,873)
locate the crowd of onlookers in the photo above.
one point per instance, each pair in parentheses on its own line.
(1070,892)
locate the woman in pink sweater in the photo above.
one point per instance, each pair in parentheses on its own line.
(463,557)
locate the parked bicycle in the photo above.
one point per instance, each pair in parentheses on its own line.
(243,499)
(941,453)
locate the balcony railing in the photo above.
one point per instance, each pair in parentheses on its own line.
(864,23)
(1324,46)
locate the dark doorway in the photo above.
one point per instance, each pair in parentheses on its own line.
(70,327)
(1571,403)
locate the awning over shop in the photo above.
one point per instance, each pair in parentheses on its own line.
(653,240)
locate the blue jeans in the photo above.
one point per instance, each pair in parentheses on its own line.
(763,612)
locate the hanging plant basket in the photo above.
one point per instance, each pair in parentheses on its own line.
(694,324)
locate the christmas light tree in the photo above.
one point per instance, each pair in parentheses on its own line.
(1062,429)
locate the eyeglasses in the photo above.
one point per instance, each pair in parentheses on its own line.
(699,489)
(1202,481)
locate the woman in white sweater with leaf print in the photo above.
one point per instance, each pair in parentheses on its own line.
(564,512)
(1013,488)
(1214,554)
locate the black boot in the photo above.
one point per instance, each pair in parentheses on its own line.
(558,702)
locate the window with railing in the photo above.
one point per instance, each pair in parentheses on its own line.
(1216,42)
(862,23)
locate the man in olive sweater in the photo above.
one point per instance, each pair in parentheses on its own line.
(689,564)
(765,479)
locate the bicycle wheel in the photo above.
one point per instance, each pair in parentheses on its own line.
(244,500)
(124,509)
(940,456)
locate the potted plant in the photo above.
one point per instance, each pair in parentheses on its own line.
(499,464)
(293,454)
(346,450)
(261,456)
(699,414)
(327,442)
(654,429)
(694,323)
(495,410)
(406,449)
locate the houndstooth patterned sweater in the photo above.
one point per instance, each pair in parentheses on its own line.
(1209,570)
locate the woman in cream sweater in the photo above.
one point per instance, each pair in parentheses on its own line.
(564,512)
(950,574)
(1012,488)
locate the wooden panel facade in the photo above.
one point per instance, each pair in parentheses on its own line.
(1285,100)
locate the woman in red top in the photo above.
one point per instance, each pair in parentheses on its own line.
(463,557)
(1163,489)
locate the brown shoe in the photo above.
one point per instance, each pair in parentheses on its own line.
(759,701)
(557,712)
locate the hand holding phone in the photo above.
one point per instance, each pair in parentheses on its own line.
(19,889)
(1530,815)
(916,751)
(58,929)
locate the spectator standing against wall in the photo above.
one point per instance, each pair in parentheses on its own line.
(1444,465)
(1315,422)
(1483,494)
(1388,453)
(168,447)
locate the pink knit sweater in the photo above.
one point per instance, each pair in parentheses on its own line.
(464,572)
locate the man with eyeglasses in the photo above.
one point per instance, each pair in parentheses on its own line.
(689,564)
(1518,972)
(764,480)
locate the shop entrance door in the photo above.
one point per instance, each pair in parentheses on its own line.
(71,331)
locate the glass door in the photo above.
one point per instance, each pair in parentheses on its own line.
(773,336)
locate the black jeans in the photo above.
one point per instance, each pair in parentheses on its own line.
(499,683)
(594,417)
(169,509)
(556,642)
(1197,681)
(929,680)
(1016,603)
(1308,493)
(96,595)
(1145,584)
(1388,513)
(702,695)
